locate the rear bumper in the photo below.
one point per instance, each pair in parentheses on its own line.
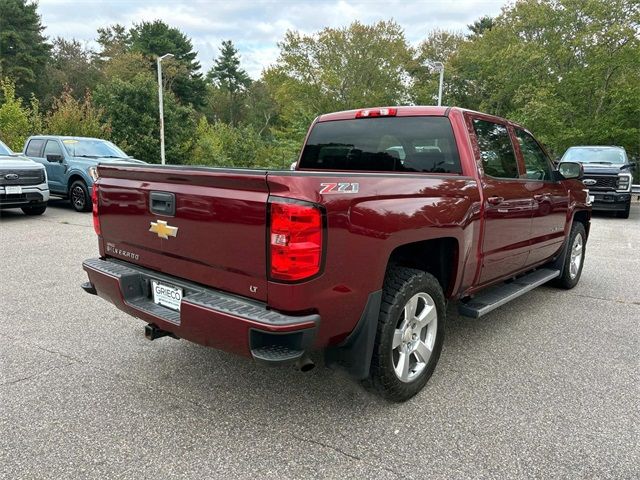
(208,317)
(610,201)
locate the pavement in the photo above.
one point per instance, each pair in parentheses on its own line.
(544,387)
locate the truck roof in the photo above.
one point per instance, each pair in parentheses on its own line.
(65,137)
(407,111)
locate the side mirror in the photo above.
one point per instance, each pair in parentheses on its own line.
(570,170)
(55,158)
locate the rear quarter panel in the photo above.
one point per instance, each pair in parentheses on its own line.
(363,229)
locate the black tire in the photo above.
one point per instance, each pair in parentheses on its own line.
(79,196)
(570,279)
(624,213)
(36,210)
(401,285)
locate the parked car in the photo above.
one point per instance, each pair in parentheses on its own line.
(23,183)
(390,213)
(71,164)
(607,175)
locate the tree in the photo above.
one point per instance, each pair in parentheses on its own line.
(439,46)
(335,69)
(17,122)
(81,118)
(72,67)
(132,109)
(114,41)
(24,51)
(568,69)
(155,39)
(480,26)
(231,80)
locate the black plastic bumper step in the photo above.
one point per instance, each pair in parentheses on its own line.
(276,354)
(497,296)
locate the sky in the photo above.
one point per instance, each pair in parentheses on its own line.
(255,27)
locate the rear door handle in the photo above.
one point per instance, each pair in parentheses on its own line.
(495,200)
(162,203)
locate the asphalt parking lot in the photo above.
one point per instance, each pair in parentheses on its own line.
(545,387)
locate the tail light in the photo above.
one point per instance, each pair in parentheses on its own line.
(295,234)
(94,200)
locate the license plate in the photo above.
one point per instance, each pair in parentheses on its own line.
(166,295)
(12,190)
(591,198)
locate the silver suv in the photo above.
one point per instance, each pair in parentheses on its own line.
(23,183)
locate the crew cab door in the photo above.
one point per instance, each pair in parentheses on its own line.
(55,163)
(508,203)
(551,199)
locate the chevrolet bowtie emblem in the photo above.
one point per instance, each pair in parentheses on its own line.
(163,230)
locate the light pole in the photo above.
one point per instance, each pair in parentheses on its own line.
(437,67)
(160,104)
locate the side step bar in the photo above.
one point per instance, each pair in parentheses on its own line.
(494,297)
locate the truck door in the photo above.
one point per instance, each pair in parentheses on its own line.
(56,166)
(551,199)
(508,204)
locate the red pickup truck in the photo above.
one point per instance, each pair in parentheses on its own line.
(390,213)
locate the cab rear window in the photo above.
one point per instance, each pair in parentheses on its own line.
(383,144)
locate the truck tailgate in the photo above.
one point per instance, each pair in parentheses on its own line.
(220,222)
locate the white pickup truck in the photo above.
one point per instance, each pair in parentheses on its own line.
(23,183)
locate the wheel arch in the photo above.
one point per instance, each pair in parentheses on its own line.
(437,256)
(77,176)
(584,217)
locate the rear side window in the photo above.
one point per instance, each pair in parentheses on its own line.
(383,144)
(52,148)
(34,149)
(496,150)
(535,160)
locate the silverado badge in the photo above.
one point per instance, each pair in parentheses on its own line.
(163,230)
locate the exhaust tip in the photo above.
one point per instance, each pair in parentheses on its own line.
(305,364)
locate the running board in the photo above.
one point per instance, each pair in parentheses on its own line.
(495,297)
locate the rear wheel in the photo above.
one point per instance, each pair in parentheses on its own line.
(575,257)
(36,210)
(79,196)
(410,333)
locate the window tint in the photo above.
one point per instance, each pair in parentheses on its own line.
(496,151)
(535,160)
(394,144)
(34,148)
(52,148)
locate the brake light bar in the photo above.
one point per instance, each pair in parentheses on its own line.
(295,240)
(377,112)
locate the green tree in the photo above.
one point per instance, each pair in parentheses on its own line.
(480,26)
(568,69)
(114,40)
(231,81)
(17,122)
(24,51)
(156,39)
(70,116)
(132,109)
(335,69)
(72,67)
(439,46)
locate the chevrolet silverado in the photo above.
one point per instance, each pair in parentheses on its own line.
(389,214)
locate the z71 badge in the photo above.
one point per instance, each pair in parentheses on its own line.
(339,188)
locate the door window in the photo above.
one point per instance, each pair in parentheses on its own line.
(34,148)
(52,148)
(535,160)
(496,150)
